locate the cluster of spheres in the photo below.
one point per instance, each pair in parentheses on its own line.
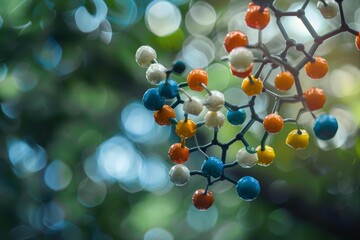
(167,94)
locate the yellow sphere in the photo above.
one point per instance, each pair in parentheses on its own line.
(265,157)
(297,139)
(252,87)
(185,129)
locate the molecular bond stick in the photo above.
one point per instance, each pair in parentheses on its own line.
(167,95)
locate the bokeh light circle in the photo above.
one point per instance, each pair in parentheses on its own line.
(57,175)
(280,221)
(91,194)
(158,233)
(3,71)
(198,52)
(202,221)
(154,175)
(24,157)
(124,13)
(162,18)
(200,18)
(139,125)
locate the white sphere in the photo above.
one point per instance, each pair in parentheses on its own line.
(156,73)
(144,56)
(241,58)
(193,106)
(246,159)
(214,119)
(329,11)
(215,101)
(179,174)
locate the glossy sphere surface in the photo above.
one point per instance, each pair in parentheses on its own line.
(252,88)
(185,129)
(255,18)
(284,81)
(317,69)
(357,41)
(248,188)
(214,119)
(325,127)
(242,74)
(235,39)
(155,73)
(179,174)
(273,123)
(196,77)
(168,89)
(202,201)
(144,56)
(215,101)
(315,98)
(329,11)
(152,99)
(179,67)
(266,156)
(163,116)
(179,154)
(213,167)
(247,157)
(193,106)
(236,117)
(297,140)
(240,58)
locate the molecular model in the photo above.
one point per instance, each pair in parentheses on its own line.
(167,95)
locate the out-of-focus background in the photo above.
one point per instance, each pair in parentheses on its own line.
(81,158)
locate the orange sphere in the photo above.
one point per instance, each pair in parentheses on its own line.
(195,78)
(179,154)
(239,74)
(185,129)
(162,116)
(235,39)
(256,18)
(273,123)
(202,201)
(317,69)
(284,81)
(315,98)
(357,41)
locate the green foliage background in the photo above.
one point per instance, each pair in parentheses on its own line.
(311,195)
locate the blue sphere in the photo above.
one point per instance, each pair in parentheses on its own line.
(236,117)
(152,99)
(325,127)
(213,167)
(168,89)
(248,188)
(179,67)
